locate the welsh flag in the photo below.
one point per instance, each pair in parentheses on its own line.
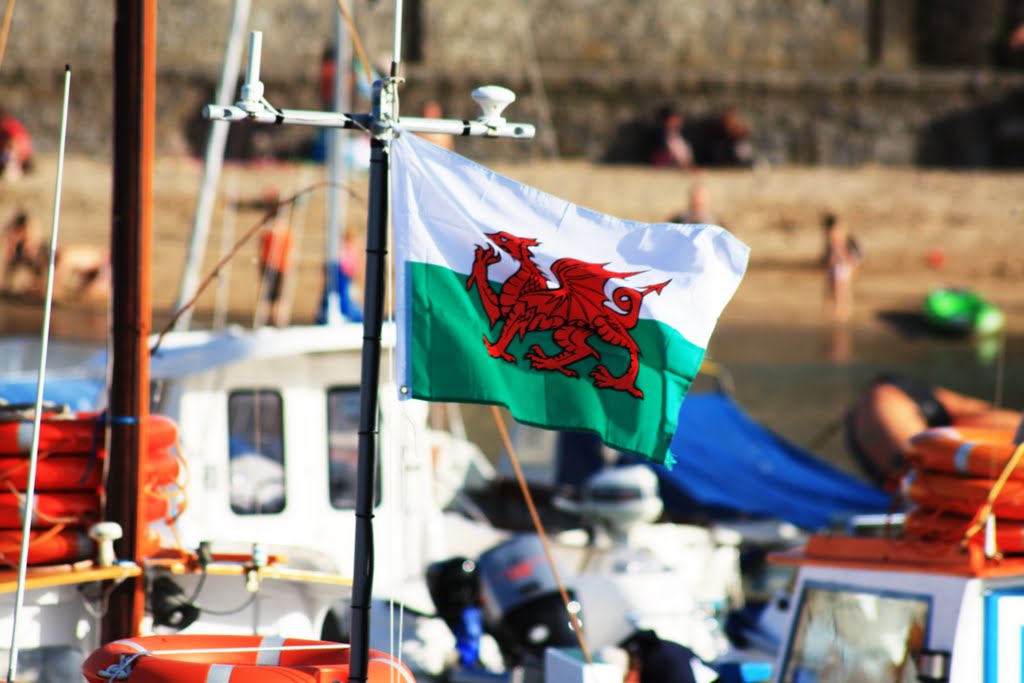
(572,319)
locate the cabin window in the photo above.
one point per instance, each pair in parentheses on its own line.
(848,634)
(343,445)
(256,451)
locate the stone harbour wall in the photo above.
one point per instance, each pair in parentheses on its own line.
(818,81)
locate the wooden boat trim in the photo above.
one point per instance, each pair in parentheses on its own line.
(67,574)
(271,571)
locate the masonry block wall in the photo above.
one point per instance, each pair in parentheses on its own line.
(819,81)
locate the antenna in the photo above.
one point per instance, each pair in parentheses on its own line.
(252,90)
(381,124)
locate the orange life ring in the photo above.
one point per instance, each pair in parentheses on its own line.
(60,472)
(47,547)
(959,495)
(928,525)
(83,433)
(965,451)
(232,659)
(76,508)
(80,471)
(50,509)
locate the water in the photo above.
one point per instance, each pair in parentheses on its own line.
(799,382)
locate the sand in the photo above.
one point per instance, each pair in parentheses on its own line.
(918,229)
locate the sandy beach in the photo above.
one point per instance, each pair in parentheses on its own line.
(899,215)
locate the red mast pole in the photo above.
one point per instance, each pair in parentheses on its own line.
(130,307)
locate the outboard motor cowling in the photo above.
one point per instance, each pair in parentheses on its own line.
(521,601)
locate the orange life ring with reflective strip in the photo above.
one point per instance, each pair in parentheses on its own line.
(926,525)
(965,451)
(83,433)
(52,546)
(232,659)
(962,496)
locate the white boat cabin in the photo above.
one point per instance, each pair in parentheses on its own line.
(269,425)
(874,610)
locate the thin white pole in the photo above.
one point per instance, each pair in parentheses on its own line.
(29,510)
(215,144)
(396,55)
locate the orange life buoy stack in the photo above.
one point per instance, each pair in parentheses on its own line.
(233,659)
(69,490)
(953,472)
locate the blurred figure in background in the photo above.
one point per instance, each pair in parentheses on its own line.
(699,209)
(730,141)
(24,260)
(841,259)
(275,253)
(15,147)
(432,110)
(671,148)
(325,78)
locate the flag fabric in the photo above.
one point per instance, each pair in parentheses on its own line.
(572,319)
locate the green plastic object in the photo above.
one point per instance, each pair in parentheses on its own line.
(962,311)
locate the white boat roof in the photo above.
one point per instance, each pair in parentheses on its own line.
(191,352)
(83,384)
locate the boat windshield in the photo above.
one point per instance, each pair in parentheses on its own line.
(845,634)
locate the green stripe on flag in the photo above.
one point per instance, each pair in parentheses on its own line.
(450,363)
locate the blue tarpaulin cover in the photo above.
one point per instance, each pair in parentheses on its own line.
(725,459)
(77,393)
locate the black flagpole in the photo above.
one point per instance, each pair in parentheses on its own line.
(373,319)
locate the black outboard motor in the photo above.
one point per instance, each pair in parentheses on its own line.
(523,608)
(455,590)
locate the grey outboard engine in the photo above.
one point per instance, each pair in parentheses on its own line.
(522,605)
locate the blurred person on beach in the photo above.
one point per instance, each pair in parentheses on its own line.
(24,258)
(698,209)
(432,110)
(275,252)
(325,78)
(348,276)
(671,149)
(729,143)
(15,147)
(82,273)
(841,258)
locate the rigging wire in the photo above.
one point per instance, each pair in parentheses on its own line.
(356,42)
(8,15)
(528,499)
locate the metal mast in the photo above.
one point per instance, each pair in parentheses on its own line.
(131,314)
(380,124)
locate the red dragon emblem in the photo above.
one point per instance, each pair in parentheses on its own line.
(574,310)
